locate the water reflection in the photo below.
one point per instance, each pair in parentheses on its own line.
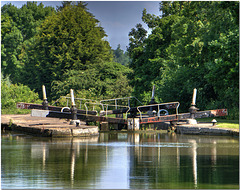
(194,161)
(72,164)
(120,160)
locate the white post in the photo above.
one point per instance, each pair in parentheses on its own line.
(44,92)
(194,96)
(73,110)
(153,91)
(72,97)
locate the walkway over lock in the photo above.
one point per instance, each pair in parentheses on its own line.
(122,116)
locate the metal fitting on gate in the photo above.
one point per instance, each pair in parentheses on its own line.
(214,122)
(74,112)
(193,111)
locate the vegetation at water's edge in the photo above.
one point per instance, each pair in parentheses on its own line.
(191,45)
(222,123)
(12,93)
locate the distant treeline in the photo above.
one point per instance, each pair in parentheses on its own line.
(192,45)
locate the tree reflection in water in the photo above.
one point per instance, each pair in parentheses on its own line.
(120,160)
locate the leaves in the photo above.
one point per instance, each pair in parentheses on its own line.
(19,26)
(13,93)
(70,40)
(192,45)
(63,49)
(103,80)
(120,56)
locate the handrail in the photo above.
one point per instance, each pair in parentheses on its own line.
(152,105)
(93,108)
(56,100)
(107,105)
(78,98)
(115,99)
(81,99)
(127,112)
(100,103)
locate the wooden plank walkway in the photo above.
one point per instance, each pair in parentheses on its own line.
(47,127)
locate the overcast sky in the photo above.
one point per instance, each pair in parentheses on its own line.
(116,17)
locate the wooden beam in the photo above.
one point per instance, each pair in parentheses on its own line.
(22,105)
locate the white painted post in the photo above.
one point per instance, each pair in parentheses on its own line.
(45,102)
(73,110)
(194,96)
(72,97)
(193,109)
(153,91)
(44,92)
(130,124)
(136,124)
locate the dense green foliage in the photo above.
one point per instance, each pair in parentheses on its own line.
(104,80)
(65,50)
(192,45)
(13,93)
(68,40)
(18,28)
(120,56)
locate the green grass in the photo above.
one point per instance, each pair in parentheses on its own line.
(15,111)
(228,125)
(223,123)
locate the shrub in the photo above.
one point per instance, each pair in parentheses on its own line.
(13,93)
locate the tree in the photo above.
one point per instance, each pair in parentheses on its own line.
(192,45)
(120,56)
(103,80)
(19,26)
(69,40)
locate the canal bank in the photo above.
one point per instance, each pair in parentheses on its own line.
(46,127)
(204,129)
(54,127)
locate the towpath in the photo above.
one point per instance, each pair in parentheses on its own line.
(44,126)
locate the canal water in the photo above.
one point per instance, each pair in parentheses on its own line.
(120,161)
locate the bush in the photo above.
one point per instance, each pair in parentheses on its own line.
(13,93)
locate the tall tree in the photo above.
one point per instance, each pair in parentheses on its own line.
(120,56)
(71,39)
(19,26)
(103,80)
(189,47)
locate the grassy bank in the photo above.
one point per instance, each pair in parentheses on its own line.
(223,123)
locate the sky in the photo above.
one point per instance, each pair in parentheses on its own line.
(116,17)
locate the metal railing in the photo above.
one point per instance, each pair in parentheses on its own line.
(69,98)
(158,106)
(85,104)
(116,99)
(106,107)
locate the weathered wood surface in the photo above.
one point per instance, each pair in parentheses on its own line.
(184,116)
(22,105)
(48,127)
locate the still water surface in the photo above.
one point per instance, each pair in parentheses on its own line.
(120,160)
